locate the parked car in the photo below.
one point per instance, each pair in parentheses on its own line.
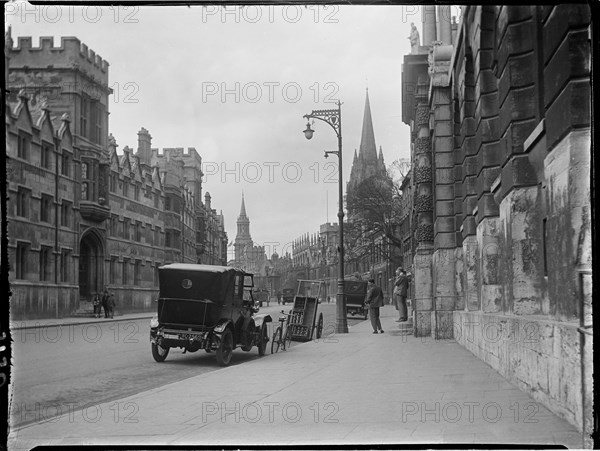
(206,307)
(287,295)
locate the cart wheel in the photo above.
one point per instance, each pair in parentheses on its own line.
(159,353)
(320,326)
(263,340)
(276,340)
(287,342)
(225,349)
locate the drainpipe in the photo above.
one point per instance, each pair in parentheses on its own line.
(56,218)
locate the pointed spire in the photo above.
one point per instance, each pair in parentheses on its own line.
(243,209)
(368,149)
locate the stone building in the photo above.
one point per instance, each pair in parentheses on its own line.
(315,257)
(248,256)
(500,117)
(81,217)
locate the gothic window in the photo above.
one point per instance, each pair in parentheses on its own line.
(91,119)
(157,236)
(65,256)
(167,239)
(23,145)
(21,260)
(46,155)
(112,272)
(126,187)
(46,208)
(65,213)
(137,269)
(138,231)
(136,192)
(23,196)
(66,163)
(113,182)
(125,230)
(125,272)
(45,252)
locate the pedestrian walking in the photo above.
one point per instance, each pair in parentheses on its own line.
(105,297)
(374,301)
(97,303)
(400,292)
(110,304)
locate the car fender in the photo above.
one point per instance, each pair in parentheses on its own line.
(260,319)
(222,325)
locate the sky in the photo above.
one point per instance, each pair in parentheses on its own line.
(234,83)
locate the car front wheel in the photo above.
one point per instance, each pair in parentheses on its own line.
(225,349)
(159,353)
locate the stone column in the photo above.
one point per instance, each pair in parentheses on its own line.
(429,26)
(423,203)
(444,24)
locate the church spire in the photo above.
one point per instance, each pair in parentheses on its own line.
(243,209)
(368,149)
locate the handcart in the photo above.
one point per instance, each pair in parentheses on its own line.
(303,316)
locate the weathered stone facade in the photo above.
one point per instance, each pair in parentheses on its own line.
(80,216)
(507,272)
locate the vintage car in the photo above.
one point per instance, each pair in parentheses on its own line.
(206,307)
(287,295)
(355,292)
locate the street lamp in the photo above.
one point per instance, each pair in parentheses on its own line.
(333,117)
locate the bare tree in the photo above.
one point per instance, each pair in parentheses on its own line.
(374,212)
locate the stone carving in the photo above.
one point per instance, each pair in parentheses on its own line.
(424,232)
(422,116)
(423,145)
(424,202)
(423,174)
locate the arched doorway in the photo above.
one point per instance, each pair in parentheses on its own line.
(91,257)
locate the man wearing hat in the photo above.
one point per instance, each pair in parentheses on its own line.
(374,301)
(400,293)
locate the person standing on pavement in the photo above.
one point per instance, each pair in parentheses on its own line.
(374,301)
(111,305)
(400,292)
(105,297)
(97,305)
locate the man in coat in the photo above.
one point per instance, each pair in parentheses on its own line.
(400,292)
(374,301)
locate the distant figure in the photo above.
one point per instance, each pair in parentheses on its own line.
(110,304)
(400,293)
(97,303)
(374,301)
(414,38)
(105,297)
(279,297)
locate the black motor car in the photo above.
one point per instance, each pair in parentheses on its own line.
(206,307)
(287,295)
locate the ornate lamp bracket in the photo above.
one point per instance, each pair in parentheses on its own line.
(331,117)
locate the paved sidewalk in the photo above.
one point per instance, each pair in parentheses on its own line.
(352,389)
(72,320)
